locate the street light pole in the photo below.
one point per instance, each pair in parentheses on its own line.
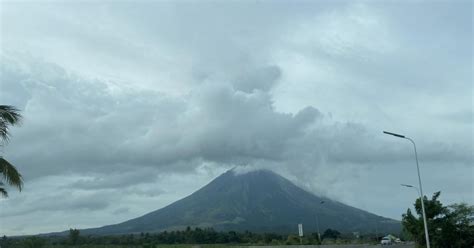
(419,182)
(317,223)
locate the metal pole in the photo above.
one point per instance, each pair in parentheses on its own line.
(317,223)
(421,196)
(376,232)
(419,182)
(317,226)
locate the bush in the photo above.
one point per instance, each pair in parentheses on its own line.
(33,242)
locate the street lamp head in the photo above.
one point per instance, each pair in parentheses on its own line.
(407,185)
(394,134)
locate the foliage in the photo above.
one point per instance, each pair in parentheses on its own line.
(5,242)
(292,240)
(33,242)
(447,226)
(9,116)
(74,236)
(174,239)
(331,234)
(10,175)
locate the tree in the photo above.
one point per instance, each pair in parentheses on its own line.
(461,217)
(331,234)
(74,236)
(448,227)
(33,242)
(5,242)
(9,116)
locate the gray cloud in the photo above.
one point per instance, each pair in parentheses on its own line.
(260,79)
(215,122)
(65,201)
(121,210)
(115,180)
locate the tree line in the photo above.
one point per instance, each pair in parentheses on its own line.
(188,236)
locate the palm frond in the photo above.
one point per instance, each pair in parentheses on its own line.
(3,130)
(9,115)
(10,174)
(3,192)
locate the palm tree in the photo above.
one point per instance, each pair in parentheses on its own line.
(9,116)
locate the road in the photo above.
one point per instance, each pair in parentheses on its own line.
(334,246)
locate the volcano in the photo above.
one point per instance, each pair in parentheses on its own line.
(258,201)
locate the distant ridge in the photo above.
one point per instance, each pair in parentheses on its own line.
(259,201)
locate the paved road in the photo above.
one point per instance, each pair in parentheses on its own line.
(335,246)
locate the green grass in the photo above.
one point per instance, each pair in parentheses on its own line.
(140,246)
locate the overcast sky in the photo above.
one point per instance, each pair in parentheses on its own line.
(129,106)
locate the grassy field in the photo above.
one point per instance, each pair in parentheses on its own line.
(140,246)
(234,246)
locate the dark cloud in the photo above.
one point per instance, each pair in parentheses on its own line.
(215,123)
(64,201)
